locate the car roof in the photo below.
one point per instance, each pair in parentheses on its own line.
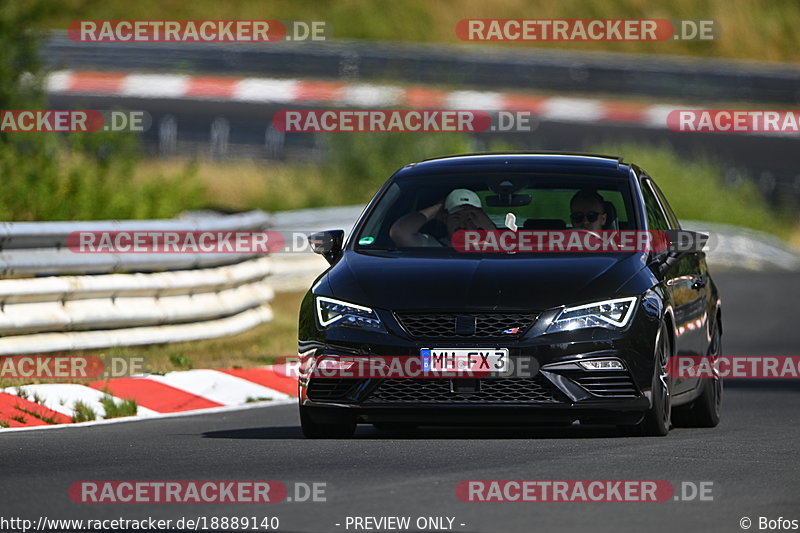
(558,162)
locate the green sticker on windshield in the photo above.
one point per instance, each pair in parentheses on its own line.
(366,240)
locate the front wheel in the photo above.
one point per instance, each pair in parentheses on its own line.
(658,418)
(340,429)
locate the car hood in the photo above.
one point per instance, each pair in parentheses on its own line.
(404,282)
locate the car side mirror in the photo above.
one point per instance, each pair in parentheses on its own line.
(328,244)
(682,243)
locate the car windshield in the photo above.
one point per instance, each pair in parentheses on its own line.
(423,213)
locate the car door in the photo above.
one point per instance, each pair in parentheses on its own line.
(686,283)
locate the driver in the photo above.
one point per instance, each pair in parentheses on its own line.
(461,210)
(587,210)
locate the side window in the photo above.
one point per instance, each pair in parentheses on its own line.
(673,220)
(655,217)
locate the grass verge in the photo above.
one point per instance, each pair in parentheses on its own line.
(695,186)
(696,190)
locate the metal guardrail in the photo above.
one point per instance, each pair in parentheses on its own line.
(466,66)
(168,298)
(87,340)
(41,247)
(21,235)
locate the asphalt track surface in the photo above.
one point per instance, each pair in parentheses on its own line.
(751,457)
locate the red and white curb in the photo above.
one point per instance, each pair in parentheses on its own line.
(155,395)
(363,95)
(366,96)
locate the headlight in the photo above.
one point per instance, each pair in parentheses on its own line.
(611,314)
(330,311)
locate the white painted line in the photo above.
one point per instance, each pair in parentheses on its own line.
(155,85)
(572,109)
(656,115)
(265,90)
(58,81)
(475,100)
(367,95)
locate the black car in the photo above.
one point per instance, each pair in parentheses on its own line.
(580,337)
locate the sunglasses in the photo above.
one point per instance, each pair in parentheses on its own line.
(577,216)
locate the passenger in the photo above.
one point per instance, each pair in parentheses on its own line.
(587,210)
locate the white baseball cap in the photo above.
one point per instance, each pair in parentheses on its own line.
(460,198)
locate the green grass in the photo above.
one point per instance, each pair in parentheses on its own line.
(118,410)
(180,361)
(359,165)
(696,190)
(82,176)
(83,412)
(72,178)
(751,29)
(251,399)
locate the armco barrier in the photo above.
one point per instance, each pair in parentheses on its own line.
(159,298)
(124,300)
(40,247)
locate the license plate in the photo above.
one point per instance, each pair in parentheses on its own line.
(464,359)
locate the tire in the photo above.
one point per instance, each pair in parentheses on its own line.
(343,429)
(704,411)
(658,418)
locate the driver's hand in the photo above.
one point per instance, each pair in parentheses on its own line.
(432,211)
(480,220)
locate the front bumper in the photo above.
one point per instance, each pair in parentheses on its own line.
(610,412)
(556,389)
(558,393)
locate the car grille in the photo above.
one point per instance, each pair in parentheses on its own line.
(606,383)
(462,325)
(496,390)
(330,388)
